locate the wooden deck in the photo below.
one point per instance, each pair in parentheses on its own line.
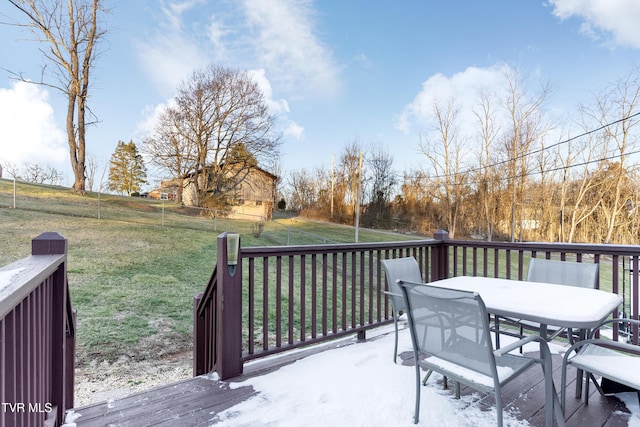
(196,401)
(525,397)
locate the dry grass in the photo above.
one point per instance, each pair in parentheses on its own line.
(132,280)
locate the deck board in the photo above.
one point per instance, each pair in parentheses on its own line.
(196,401)
(192,402)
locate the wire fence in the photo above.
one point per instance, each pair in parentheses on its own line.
(20,195)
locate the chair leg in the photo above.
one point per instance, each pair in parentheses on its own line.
(416,415)
(498,397)
(586,386)
(521,335)
(395,348)
(426,377)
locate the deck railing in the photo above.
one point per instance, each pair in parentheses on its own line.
(37,336)
(618,272)
(294,296)
(285,297)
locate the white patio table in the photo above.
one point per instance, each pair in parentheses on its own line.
(544,303)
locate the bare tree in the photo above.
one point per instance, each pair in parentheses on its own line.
(415,206)
(381,182)
(348,182)
(577,184)
(218,129)
(11,169)
(39,174)
(303,191)
(526,127)
(488,179)
(91,166)
(72,31)
(615,111)
(383,177)
(170,150)
(33,172)
(444,153)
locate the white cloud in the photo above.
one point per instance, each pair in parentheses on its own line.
(217,33)
(464,87)
(278,107)
(275,35)
(294,130)
(146,126)
(170,54)
(286,45)
(179,7)
(169,60)
(619,18)
(28,130)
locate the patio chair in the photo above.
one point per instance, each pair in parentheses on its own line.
(613,360)
(451,335)
(399,269)
(560,273)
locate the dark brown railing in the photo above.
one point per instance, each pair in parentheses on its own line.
(37,337)
(293,296)
(619,271)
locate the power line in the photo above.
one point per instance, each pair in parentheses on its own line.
(530,153)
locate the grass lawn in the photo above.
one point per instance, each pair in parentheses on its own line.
(132,279)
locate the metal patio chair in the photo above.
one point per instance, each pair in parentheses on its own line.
(613,360)
(399,269)
(451,335)
(557,272)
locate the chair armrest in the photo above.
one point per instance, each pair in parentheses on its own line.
(607,321)
(408,282)
(615,345)
(393,294)
(517,344)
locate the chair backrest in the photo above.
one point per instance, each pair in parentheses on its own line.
(451,325)
(563,272)
(395,269)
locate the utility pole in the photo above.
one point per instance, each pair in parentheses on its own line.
(332,185)
(358,197)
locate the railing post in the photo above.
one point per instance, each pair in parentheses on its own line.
(199,341)
(62,376)
(228,314)
(441,256)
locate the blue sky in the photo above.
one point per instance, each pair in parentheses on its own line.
(332,70)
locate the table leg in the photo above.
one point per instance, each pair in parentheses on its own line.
(543,331)
(579,373)
(550,387)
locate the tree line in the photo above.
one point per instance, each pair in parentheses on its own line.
(501,176)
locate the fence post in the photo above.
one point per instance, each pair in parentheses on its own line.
(441,256)
(62,376)
(228,314)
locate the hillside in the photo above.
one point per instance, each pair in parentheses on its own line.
(134,266)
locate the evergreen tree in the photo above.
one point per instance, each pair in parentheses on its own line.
(127,171)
